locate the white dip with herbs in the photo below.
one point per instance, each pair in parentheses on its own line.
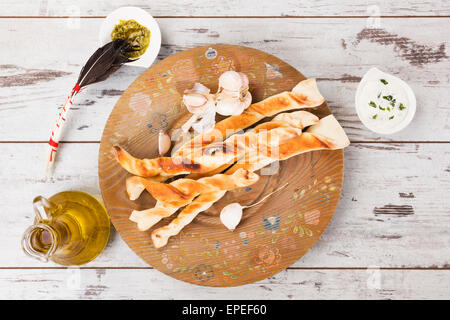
(384,102)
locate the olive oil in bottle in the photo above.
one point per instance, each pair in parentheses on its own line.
(70,228)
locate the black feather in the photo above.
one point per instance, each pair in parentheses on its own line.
(104,62)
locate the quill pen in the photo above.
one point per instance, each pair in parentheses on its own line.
(104,62)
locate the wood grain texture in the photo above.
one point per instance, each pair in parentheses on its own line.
(270,237)
(338,56)
(38,83)
(290,284)
(375,176)
(228,8)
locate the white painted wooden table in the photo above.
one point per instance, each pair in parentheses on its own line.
(363,254)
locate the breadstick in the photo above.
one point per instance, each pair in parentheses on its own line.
(298,119)
(161,236)
(284,127)
(182,190)
(317,137)
(146,219)
(149,217)
(187,190)
(326,134)
(304,95)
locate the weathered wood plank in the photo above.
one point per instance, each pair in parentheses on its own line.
(228,7)
(412,176)
(336,51)
(289,284)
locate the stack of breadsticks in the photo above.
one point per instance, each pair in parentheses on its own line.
(224,159)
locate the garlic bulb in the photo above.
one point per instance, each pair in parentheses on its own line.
(163,143)
(231,99)
(231,215)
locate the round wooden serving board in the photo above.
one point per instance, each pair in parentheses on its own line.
(271,236)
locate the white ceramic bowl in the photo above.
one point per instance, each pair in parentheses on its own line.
(142,17)
(375,73)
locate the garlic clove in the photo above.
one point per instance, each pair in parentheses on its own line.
(200,88)
(197,103)
(188,124)
(247,101)
(207,122)
(193,99)
(224,105)
(241,107)
(164,143)
(231,215)
(229,107)
(244,80)
(203,126)
(224,94)
(231,81)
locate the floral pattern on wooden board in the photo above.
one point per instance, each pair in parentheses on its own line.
(269,238)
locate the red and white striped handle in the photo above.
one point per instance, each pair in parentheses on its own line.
(57,130)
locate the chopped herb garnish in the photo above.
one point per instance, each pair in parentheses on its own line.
(402,106)
(379,95)
(383,81)
(392,117)
(374,116)
(372,104)
(389,109)
(381,108)
(388,98)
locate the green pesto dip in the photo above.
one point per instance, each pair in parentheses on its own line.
(136,34)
